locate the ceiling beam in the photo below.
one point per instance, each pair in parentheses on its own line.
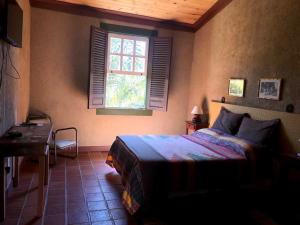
(214,10)
(109,14)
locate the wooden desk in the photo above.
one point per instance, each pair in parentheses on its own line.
(34,142)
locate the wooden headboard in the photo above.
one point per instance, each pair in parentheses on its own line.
(290,123)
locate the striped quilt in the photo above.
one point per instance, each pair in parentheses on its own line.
(153,166)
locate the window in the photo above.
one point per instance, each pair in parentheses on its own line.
(126,80)
(128,71)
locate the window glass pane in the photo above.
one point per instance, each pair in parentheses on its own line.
(139,65)
(125,91)
(114,62)
(140,48)
(127,63)
(128,46)
(115,45)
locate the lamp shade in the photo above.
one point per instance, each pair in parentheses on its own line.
(195,110)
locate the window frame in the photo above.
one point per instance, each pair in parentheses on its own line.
(99,38)
(135,38)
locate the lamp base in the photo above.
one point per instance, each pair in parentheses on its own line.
(196,118)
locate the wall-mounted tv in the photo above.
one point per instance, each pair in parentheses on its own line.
(11,22)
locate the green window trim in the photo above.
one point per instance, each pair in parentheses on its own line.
(118,29)
(124,112)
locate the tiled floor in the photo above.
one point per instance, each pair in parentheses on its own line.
(88,192)
(81,191)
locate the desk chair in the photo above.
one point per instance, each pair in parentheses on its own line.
(56,144)
(62,144)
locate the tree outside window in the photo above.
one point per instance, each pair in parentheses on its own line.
(126,80)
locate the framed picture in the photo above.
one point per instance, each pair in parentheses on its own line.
(236,87)
(269,89)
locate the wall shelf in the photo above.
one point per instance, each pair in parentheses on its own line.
(252,106)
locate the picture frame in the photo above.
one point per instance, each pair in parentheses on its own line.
(236,87)
(269,88)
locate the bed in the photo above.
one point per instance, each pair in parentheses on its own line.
(154,166)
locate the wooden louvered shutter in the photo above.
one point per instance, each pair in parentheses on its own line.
(97,68)
(160,50)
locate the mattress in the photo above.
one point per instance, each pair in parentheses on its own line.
(154,166)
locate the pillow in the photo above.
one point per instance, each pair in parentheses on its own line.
(228,122)
(258,132)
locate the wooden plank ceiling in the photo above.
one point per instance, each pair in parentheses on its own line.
(183,11)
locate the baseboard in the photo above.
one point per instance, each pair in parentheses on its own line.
(93,148)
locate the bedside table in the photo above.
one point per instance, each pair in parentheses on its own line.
(189,125)
(288,162)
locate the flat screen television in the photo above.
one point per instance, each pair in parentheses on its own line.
(11,22)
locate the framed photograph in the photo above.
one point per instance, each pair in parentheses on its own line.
(269,89)
(236,87)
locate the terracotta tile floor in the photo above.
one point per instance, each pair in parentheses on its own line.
(88,192)
(80,191)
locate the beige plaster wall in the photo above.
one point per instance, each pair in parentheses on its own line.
(60,73)
(14,94)
(250,39)
(24,64)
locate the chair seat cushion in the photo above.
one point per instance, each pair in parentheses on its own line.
(62,144)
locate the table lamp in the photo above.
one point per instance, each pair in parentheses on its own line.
(196,113)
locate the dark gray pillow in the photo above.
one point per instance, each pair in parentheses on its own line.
(259,132)
(228,122)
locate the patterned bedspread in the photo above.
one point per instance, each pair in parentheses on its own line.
(153,166)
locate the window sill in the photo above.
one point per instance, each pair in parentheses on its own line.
(124,112)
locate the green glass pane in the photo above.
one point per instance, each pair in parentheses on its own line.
(114,62)
(125,91)
(127,63)
(139,65)
(115,45)
(128,46)
(140,48)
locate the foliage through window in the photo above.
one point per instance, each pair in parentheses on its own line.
(126,79)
